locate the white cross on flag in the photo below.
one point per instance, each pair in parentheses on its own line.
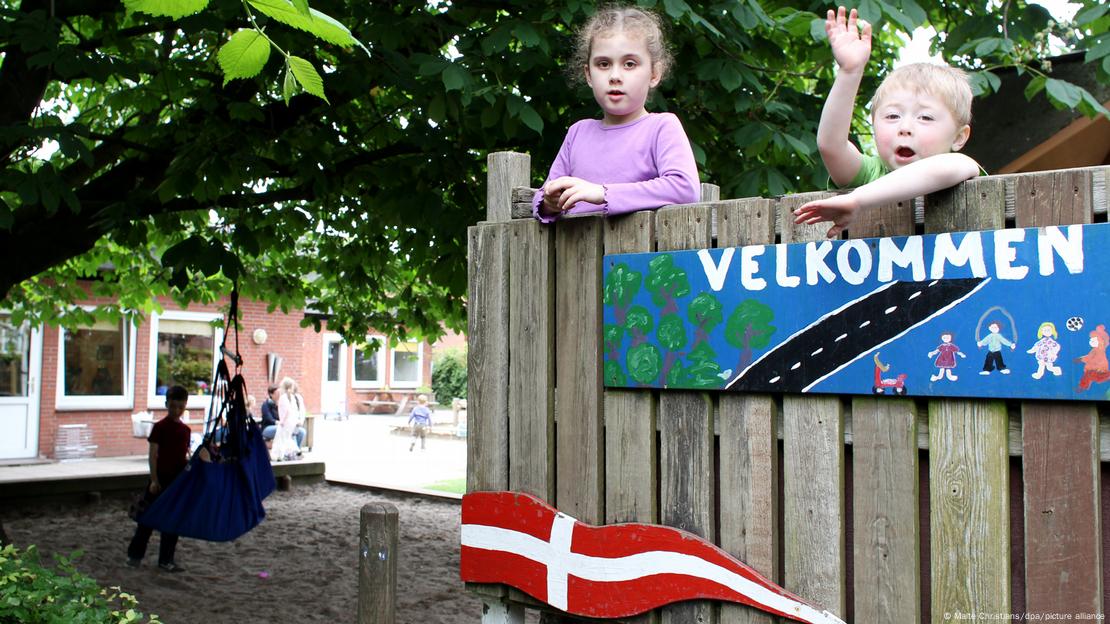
(608,571)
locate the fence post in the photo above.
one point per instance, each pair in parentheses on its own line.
(377,564)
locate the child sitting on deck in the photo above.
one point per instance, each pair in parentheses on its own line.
(921,115)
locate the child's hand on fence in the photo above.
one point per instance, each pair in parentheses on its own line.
(840,209)
(561,194)
(850,47)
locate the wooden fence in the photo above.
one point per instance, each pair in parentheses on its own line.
(878,509)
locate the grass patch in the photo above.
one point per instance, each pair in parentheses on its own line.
(454,486)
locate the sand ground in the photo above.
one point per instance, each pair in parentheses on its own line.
(307,548)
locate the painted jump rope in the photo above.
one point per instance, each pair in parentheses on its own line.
(1015,313)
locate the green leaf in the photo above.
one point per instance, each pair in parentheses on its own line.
(288,85)
(302,7)
(986,46)
(1101,49)
(870,11)
(316,23)
(1063,94)
(527,34)
(914,11)
(901,18)
(1090,106)
(730,78)
(1035,86)
(454,77)
(307,76)
(244,55)
(817,30)
(531,118)
(984,82)
(166,8)
(1086,16)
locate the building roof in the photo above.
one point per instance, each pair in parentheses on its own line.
(1010,134)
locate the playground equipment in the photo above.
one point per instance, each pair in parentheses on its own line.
(541,422)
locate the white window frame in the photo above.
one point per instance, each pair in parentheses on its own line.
(382,348)
(196,401)
(419,367)
(64,402)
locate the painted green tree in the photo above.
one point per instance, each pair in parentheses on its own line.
(667,284)
(749,327)
(702,369)
(621,286)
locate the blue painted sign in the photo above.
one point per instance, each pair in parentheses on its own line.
(1017,313)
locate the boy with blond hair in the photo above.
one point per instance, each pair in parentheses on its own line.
(921,114)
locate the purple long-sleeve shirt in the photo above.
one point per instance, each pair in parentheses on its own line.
(643,164)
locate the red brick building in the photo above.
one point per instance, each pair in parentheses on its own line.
(98,377)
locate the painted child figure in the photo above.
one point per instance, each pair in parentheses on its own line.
(921,115)
(1096,369)
(630,159)
(946,353)
(994,341)
(1046,350)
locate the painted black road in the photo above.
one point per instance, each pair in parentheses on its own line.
(850,332)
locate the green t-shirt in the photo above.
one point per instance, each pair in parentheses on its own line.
(872,168)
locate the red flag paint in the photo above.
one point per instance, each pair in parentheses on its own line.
(608,571)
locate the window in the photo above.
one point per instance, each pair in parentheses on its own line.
(368,364)
(15,358)
(408,360)
(183,351)
(95,366)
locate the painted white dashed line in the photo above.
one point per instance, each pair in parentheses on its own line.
(774,379)
(816,352)
(796,366)
(934,282)
(891,309)
(864,324)
(914,296)
(840,337)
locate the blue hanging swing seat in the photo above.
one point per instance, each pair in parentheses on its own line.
(219,495)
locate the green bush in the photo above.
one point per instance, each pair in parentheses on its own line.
(33,594)
(449,375)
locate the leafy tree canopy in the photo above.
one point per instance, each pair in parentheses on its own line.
(163,147)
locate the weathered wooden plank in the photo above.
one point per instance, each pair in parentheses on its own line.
(504,170)
(686,425)
(487,450)
(968,469)
(686,473)
(886,550)
(969,516)
(532,358)
(1060,465)
(748,428)
(579,436)
(631,473)
(886,547)
(814,520)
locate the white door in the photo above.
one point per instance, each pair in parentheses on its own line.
(333,390)
(20,365)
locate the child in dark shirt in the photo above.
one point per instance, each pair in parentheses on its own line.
(169,454)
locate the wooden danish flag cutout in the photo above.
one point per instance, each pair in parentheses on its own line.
(608,571)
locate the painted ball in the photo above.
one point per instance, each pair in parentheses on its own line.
(1074,323)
